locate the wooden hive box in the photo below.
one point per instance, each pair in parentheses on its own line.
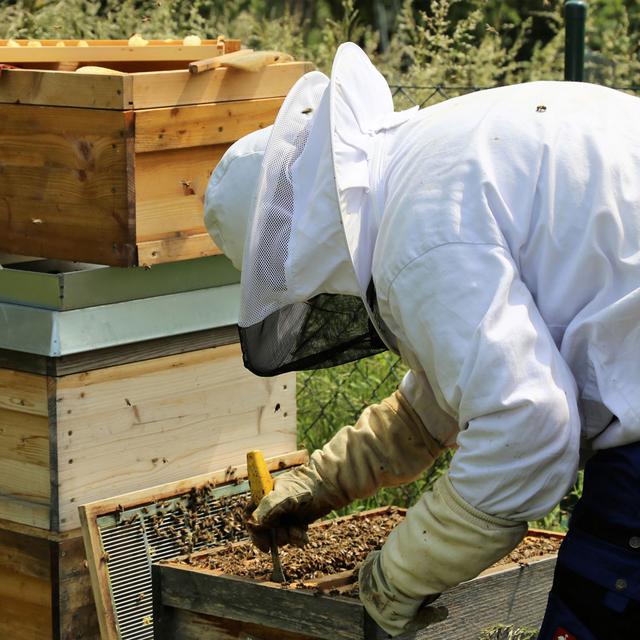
(195,603)
(87,426)
(112,169)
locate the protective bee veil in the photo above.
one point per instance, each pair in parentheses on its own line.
(306,273)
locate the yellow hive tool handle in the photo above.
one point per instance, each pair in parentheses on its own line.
(260,480)
(261,484)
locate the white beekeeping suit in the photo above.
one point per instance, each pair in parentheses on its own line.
(492,240)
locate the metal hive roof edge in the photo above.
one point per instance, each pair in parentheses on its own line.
(61,285)
(58,333)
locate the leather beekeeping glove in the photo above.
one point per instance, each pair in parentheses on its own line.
(442,542)
(389,445)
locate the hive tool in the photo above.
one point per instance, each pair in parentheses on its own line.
(261,484)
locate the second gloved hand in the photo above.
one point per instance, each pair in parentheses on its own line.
(388,446)
(442,542)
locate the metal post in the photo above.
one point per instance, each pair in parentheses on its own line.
(575,16)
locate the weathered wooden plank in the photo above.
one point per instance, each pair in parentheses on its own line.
(188,625)
(23,620)
(102,53)
(25,491)
(23,392)
(24,438)
(25,587)
(67,89)
(200,125)
(24,555)
(45,590)
(36,532)
(121,354)
(198,245)
(195,411)
(513,595)
(65,190)
(175,88)
(24,481)
(230,44)
(28,512)
(75,613)
(24,468)
(294,611)
(170,188)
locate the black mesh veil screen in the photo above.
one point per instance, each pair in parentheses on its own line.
(325,331)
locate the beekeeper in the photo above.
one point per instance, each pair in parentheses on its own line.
(492,240)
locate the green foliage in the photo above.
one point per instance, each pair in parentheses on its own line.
(332,398)
(558,519)
(443,42)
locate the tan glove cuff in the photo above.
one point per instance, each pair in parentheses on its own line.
(443,541)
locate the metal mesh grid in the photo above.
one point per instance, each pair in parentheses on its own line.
(406,96)
(331,398)
(134,538)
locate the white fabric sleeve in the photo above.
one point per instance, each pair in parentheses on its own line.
(416,389)
(476,331)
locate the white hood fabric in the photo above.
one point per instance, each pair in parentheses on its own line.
(308,251)
(230,198)
(315,186)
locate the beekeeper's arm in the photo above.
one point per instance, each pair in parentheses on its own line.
(490,358)
(389,445)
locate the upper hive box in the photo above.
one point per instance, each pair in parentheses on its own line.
(112,169)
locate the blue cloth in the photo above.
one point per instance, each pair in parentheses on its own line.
(596,589)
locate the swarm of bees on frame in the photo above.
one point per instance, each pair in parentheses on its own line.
(199,519)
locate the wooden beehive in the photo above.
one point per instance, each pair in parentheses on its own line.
(90,426)
(193,602)
(70,439)
(112,169)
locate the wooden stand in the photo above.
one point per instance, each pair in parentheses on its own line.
(45,586)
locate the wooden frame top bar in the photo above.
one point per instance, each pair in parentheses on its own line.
(111,50)
(146,90)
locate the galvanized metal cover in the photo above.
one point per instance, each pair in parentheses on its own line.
(58,333)
(60,285)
